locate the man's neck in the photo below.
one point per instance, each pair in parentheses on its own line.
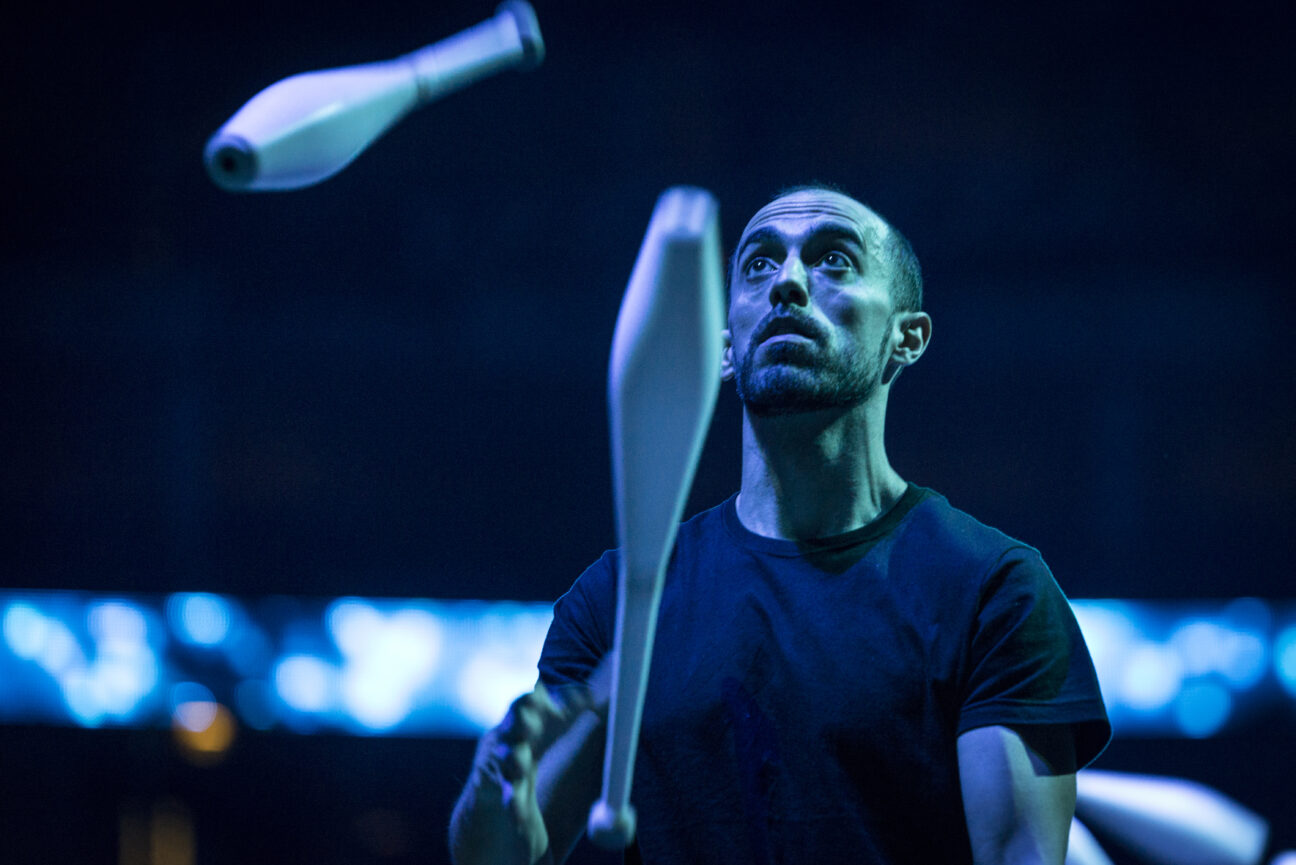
(815,474)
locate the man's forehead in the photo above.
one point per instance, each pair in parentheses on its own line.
(800,210)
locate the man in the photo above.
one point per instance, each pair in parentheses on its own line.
(847,669)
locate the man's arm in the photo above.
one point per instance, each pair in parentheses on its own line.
(533,780)
(1019,793)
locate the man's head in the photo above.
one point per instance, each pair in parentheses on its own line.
(825,304)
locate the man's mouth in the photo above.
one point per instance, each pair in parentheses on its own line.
(789,326)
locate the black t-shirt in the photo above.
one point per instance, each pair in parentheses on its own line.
(805,699)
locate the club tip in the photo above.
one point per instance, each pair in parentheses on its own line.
(528,27)
(610,828)
(685,210)
(231,162)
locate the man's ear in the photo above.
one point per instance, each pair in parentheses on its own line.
(726,359)
(914,331)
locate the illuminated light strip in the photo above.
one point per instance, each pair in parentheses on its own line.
(1191,668)
(412,667)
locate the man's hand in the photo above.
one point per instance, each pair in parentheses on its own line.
(498,817)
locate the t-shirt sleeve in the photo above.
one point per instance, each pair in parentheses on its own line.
(1029,663)
(583,626)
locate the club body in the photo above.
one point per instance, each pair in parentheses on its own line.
(663,380)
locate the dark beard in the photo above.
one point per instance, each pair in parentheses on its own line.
(797,378)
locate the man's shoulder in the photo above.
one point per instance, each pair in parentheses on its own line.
(706,523)
(938,527)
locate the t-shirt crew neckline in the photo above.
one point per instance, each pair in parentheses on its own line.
(878,527)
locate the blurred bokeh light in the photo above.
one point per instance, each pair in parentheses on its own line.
(415,667)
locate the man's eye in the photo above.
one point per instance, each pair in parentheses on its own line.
(835,260)
(759,265)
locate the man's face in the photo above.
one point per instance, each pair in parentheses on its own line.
(810,305)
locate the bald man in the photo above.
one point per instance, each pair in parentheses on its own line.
(848,669)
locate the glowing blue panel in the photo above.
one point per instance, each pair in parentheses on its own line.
(1202,708)
(199,618)
(417,667)
(393,667)
(1285,658)
(193,706)
(1188,668)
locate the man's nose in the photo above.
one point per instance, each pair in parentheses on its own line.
(790,285)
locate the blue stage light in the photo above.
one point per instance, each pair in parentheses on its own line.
(1152,678)
(199,618)
(254,701)
(1179,668)
(388,658)
(1285,658)
(82,702)
(117,624)
(306,683)
(193,706)
(26,630)
(1202,708)
(451,668)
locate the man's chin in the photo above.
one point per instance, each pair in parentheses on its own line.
(765,409)
(783,393)
(787,390)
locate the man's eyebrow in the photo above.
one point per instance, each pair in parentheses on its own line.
(840,231)
(759,237)
(828,231)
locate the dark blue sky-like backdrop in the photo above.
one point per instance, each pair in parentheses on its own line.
(392,384)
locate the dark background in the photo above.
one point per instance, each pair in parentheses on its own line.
(392,384)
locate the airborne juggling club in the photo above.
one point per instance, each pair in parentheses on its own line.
(308,127)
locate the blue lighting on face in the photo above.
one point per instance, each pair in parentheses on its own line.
(450,668)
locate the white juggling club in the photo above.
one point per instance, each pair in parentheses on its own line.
(1170,821)
(1083,848)
(663,380)
(310,126)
